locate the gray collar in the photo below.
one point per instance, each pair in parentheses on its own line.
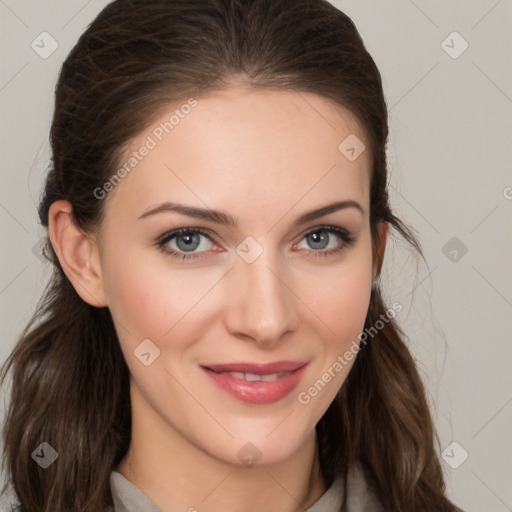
(360,498)
(128,498)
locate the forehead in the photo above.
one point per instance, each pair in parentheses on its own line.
(248,150)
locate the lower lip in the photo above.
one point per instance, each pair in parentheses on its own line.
(257,392)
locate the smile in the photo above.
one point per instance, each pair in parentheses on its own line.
(257,383)
(252,377)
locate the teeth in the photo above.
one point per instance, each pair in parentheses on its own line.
(252,377)
(269,378)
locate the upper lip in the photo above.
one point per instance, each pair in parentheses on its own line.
(257,368)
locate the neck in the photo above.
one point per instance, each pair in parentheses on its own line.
(178,476)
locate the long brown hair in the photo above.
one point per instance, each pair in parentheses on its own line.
(69,378)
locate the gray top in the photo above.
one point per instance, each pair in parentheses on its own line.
(128,498)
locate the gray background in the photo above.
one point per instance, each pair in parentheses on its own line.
(450,156)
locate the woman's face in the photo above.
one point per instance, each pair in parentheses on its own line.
(274,287)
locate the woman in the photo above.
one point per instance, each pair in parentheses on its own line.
(214,335)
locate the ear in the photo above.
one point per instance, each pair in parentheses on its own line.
(383,230)
(77,253)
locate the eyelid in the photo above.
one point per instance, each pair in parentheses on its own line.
(346,237)
(173,233)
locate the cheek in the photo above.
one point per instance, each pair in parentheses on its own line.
(343,303)
(147,299)
(340,295)
(135,301)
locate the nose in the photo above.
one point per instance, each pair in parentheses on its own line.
(261,303)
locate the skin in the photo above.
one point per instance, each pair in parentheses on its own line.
(264,157)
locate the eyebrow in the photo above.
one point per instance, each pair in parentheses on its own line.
(225,219)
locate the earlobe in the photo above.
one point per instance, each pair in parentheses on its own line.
(383,230)
(77,254)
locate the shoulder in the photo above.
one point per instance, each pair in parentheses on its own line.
(8,503)
(360,494)
(127,497)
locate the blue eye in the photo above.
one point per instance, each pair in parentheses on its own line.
(321,238)
(188,240)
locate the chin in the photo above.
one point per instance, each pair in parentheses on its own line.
(265,447)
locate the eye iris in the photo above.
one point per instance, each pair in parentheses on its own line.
(191,239)
(321,239)
(189,242)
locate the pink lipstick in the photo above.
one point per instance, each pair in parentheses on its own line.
(257,383)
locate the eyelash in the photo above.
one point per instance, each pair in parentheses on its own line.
(344,235)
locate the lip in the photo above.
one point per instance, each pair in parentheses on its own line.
(257,368)
(257,392)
